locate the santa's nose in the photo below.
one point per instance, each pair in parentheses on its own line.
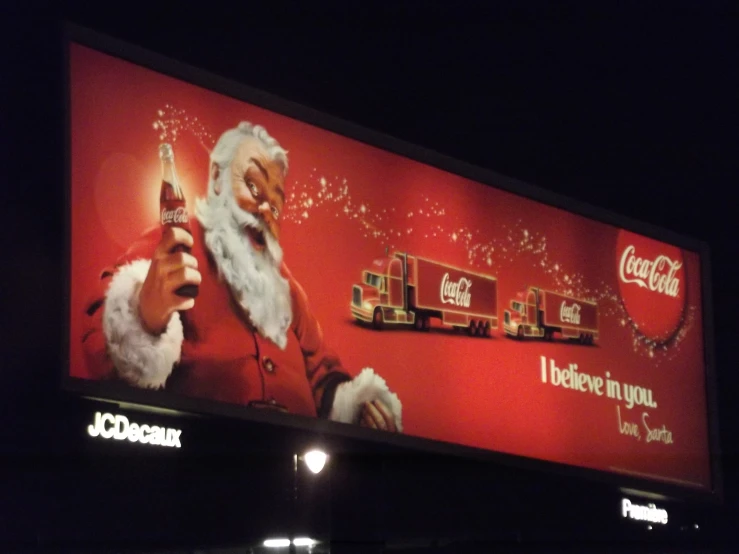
(265,213)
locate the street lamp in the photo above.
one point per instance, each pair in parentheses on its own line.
(315,460)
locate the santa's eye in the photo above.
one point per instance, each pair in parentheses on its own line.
(252,188)
(275,212)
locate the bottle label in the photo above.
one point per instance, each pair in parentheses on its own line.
(177,216)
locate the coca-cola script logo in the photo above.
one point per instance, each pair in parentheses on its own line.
(174,217)
(570,314)
(659,273)
(651,279)
(456,293)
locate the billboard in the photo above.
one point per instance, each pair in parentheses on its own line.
(237,260)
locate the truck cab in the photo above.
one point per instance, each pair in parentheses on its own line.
(366,295)
(523,319)
(382,294)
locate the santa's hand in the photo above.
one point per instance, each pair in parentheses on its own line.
(377,416)
(168,272)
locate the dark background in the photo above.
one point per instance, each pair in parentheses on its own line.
(628,108)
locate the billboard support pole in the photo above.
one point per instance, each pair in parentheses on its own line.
(294,517)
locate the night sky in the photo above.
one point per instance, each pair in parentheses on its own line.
(634,111)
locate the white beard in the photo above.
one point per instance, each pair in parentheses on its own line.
(253,276)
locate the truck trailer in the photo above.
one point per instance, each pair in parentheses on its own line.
(409,290)
(540,313)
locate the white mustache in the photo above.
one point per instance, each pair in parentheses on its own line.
(242,218)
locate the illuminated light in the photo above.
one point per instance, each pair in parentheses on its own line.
(315,460)
(649,527)
(276,543)
(304,541)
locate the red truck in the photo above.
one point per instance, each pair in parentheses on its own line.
(409,290)
(541,313)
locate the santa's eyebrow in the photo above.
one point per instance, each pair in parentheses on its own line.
(260,167)
(280,192)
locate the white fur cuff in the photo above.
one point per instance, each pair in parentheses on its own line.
(140,358)
(365,387)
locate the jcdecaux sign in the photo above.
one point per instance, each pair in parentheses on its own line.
(118,427)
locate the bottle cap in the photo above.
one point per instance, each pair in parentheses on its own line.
(165,151)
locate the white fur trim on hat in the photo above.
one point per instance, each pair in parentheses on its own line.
(365,387)
(140,358)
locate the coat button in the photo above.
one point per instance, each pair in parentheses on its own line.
(269,365)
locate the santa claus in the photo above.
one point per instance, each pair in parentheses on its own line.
(249,337)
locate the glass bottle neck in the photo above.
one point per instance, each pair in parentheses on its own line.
(168,171)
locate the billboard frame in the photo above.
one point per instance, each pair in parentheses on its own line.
(161,401)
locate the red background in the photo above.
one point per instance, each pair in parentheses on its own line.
(484,393)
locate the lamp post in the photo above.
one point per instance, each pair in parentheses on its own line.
(295,504)
(315,460)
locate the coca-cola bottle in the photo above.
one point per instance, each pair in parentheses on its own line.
(172,207)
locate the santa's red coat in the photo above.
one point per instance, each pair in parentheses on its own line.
(223,357)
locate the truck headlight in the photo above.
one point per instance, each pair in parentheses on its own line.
(366,305)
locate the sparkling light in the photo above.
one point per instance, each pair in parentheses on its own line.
(173,122)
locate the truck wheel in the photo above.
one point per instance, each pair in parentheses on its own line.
(426,323)
(548,334)
(418,323)
(472,329)
(583,339)
(519,334)
(377,319)
(486,331)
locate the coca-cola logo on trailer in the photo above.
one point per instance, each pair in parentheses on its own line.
(651,279)
(456,293)
(570,314)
